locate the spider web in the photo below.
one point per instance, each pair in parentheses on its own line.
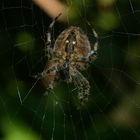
(113,109)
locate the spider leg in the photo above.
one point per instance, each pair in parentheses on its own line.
(48,75)
(48,81)
(48,47)
(93,53)
(81,84)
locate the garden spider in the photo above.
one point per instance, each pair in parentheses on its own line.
(70,54)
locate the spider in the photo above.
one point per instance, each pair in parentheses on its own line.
(70,54)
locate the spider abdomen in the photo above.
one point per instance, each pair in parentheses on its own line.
(72,41)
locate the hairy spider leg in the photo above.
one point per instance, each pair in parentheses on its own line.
(82,85)
(93,53)
(48,47)
(94,49)
(48,75)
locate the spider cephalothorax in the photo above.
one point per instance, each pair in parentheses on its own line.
(70,54)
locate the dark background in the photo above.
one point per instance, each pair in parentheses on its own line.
(113,109)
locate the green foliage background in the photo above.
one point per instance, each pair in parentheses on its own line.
(113,110)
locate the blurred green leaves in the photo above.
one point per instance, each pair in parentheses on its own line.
(15,130)
(107,20)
